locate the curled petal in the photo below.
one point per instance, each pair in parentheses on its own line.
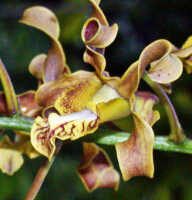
(36,66)
(69,94)
(44,20)
(73,126)
(96,170)
(135,155)
(160,52)
(97,35)
(28,106)
(167,70)
(10,96)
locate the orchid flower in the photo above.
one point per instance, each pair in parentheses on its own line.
(11,158)
(75,104)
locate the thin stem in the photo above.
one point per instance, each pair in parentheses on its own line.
(16,123)
(102,136)
(39,179)
(41,174)
(176,131)
(108,137)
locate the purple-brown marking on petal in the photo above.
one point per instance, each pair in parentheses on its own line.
(69,94)
(96,170)
(73,126)
(91,29)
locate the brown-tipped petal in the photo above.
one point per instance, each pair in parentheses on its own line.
(69,94)
(97,35)
(96,170)
(28,106)
(167,70)
(135,155)
(160,51)
(44,20)
(10,96)
(36,66)
(44,132)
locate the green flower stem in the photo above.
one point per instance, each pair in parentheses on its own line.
(16,123)
(162,143)
(176,131)
(39,179)
(102,136)
(41,174)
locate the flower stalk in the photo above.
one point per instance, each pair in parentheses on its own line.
(176,131)
(103,136)
(39,179)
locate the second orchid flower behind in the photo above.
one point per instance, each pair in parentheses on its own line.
(75,104)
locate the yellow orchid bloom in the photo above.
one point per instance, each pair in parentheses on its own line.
(76,103)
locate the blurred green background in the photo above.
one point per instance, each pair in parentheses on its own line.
(140,22)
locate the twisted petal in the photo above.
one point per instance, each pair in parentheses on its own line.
(73,126)
(96,170)
(135,156)
(69,94)
(165,67)
(10,159)
(44,20)
(97,35)
(10,96)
